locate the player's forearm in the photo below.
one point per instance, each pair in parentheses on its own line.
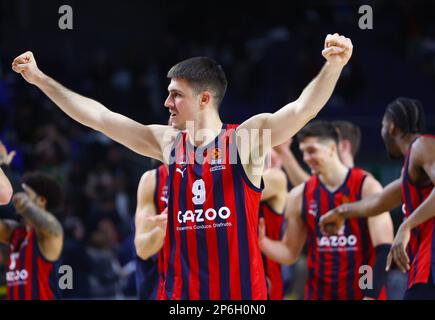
(278,251)
(319,90)
(289,119)
(149,243)
(82,109)
(375,204)
(43,221)
(294,171)
(423,213)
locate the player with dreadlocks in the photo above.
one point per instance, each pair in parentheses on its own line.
(413,249)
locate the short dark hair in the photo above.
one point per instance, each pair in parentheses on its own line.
(349,131)
(45,186)
(319,129)
(202,73)
(407,114)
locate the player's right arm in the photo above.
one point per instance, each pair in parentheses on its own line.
(375,204)
(289,248)
(148,140)
(5,189)
(293,169)
(150,227)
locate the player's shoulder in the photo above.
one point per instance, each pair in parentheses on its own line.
(275,174)
(370,185)
(149,177)
(423,142)
(297,191)
(423,149)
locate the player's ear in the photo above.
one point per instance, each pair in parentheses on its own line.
(205,98)
(345,145)
(392,129)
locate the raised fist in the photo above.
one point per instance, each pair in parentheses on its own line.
(338,50)
(25,65)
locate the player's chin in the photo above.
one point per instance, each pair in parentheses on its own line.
(176,124)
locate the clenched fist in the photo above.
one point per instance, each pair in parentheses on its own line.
(331,222)
(338,50)
(21,201)
(25,65)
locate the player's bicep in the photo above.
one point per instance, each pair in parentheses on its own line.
(147,140)
(286,122)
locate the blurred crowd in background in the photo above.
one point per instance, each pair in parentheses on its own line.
(119,52)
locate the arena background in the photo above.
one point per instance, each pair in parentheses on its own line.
(119,52)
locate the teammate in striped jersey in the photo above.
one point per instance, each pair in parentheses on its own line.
(272,205)
(333,262)
(35,245)
(150,227)
(413,249)
(212,225)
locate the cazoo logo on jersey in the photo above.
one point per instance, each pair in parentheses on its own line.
(15,275)
(337,243)
(200,216)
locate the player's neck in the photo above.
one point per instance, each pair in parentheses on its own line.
(205,128)
(405,142)
(334,175)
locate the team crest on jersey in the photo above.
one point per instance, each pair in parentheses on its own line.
(312,208)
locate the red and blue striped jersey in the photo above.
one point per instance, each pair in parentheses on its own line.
(273,221)
(211,245)
(334,261)
(30,275)
(421,247)
(149,272)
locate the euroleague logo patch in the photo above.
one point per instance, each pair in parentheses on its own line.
(215,156)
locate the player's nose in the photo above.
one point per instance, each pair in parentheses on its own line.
(168,102)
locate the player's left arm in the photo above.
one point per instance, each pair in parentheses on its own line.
(288,120)
(381,235)
(49,231)
(423,157)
